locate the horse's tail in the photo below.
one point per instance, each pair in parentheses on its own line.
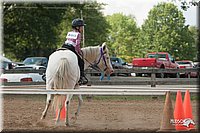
(60,82)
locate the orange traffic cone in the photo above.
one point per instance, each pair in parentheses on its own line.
(168,115)
(62,113)
(179,113)
(189,123)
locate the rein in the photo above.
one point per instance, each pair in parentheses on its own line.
(95,65)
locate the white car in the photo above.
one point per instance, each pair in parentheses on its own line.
(24,77)
(5,63)
(186,64)
(30,67)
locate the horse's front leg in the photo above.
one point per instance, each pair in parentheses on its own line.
(48,102)
(102,76)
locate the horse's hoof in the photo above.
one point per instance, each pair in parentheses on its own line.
(42,117)
(67,124)
(73,119)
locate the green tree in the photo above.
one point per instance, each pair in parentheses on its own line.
(185,4)
(122,35)
(30,30)
(96,24)
(38,29)
(96,29)
(165,30)
(195,32)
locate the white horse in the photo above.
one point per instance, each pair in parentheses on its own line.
(63,73)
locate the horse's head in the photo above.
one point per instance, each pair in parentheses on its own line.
(105,63)
(98,56)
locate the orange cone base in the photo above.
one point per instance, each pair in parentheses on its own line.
(62,113)
(179,113)
(188,111)
(180,128)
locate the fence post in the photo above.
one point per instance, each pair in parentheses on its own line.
(177,75)
(153,78)
(189,74)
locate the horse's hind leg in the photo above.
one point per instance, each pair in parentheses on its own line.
(67,102)
(58,116)
(80,101)
(48,102)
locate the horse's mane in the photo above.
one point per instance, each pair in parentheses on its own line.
(91,52)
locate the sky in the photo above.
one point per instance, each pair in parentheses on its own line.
(140,9)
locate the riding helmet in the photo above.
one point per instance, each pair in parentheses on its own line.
(77,23)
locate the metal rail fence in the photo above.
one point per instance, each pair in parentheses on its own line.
(118,80)
(95,90)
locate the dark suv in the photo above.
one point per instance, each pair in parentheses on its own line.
(39,61)
(118,63)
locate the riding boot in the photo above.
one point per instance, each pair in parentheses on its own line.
(83,80)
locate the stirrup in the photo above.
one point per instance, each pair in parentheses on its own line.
(82,81)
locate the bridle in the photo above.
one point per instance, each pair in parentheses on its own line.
(95,64)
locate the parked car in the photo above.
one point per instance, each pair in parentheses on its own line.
(21,77)
(30,67)
(118,63)
(184,64)
(6,63)
(38,61)
(24,77)
(197,64)
(160,60)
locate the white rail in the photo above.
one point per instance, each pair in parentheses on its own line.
(97,90)
(110,87)
(85,91)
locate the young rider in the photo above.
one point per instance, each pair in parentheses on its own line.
(73,41)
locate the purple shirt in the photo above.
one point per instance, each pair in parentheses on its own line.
(74,38)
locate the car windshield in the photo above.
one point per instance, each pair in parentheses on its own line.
(22,68)
(5,65)
(184,63)
(116,60)
(157,56)
(32,61)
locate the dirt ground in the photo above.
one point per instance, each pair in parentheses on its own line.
(23,112)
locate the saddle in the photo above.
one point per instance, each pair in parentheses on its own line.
(62,49)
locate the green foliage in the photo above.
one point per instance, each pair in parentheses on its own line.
(194,31)
(96,24)
(122,35)
(38,29)
(165,30)
(96,28)
(30,30)
(185,4)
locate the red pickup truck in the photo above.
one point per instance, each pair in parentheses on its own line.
(159,60)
